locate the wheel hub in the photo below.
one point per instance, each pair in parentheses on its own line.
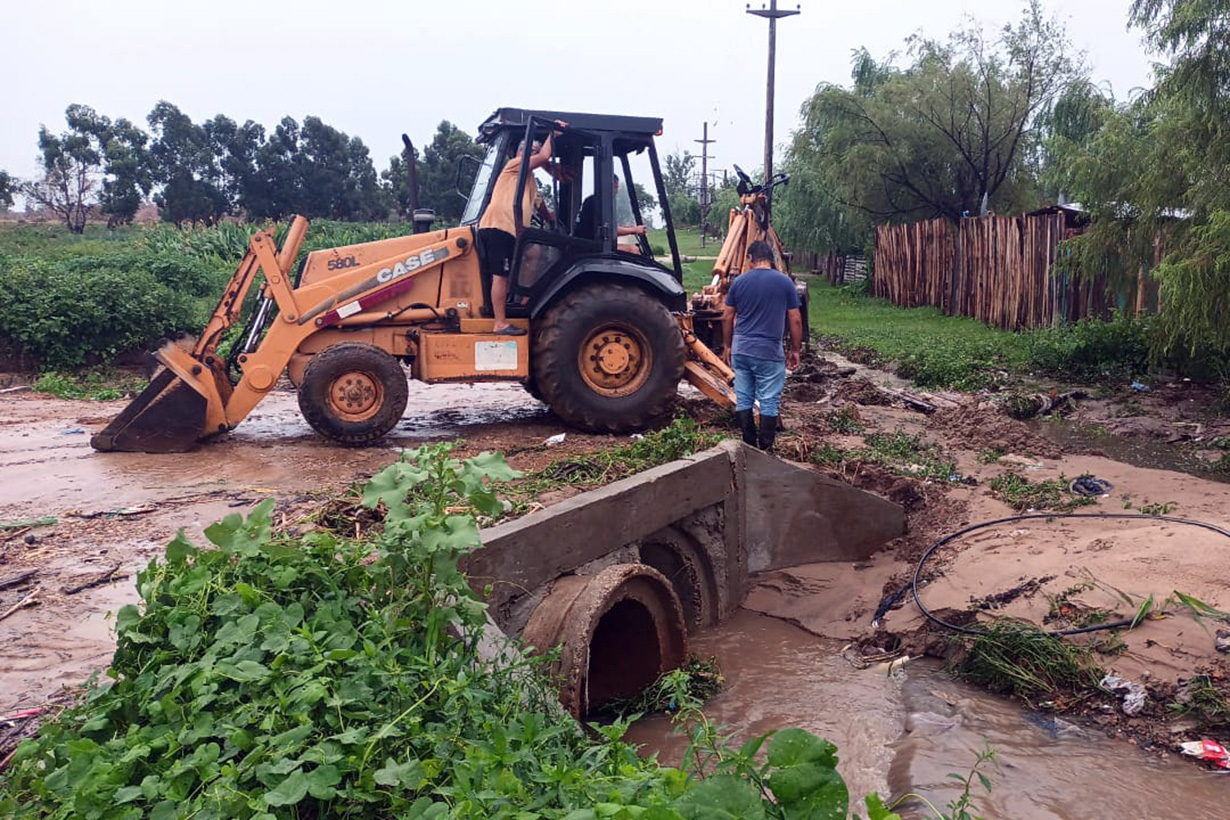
(355,396)
(613,361)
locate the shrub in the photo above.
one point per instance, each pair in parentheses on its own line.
(64,311)
(1094,349)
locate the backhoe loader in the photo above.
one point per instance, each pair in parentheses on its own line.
(609,334)
(747,223)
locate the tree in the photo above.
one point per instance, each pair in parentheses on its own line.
(1153,175)
(677,172)
(275,193)
(235,148)
(437,172)
(943,137)
(8,186)
(71,164)
(184,164)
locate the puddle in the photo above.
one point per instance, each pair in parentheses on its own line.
(1138,451)
(44,443)
(897,736)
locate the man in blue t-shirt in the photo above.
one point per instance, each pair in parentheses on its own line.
(758,304)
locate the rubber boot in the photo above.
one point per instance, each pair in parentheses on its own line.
(768,432)
(747,423)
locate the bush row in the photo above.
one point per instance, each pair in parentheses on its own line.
(73,310)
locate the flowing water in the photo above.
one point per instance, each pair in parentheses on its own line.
(908,733)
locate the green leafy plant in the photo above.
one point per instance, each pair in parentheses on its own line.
(1161,508)
(908,455)
(1019,493)
(826,454)
(845,420)
(99,384)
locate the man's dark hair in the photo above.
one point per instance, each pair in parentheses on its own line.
(759,251)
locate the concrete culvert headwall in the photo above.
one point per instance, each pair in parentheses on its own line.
(617,577)
(616,632)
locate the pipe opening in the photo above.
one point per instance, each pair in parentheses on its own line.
(624,654)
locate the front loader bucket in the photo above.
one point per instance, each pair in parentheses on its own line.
(168,417)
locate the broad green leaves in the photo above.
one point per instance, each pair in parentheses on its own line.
(804,777)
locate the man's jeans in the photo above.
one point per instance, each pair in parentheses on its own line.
(758,379)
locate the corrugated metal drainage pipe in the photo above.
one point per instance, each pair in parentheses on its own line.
(618,631)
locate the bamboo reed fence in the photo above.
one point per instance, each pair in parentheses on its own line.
(997,269)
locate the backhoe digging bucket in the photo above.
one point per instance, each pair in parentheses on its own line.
(168,417)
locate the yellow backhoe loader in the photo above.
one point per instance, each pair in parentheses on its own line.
(609,334)
(747,223)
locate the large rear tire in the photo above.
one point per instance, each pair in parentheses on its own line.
(608,358)
(353,394)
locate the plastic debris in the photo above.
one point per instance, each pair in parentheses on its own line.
(1207,750)
(1140,387)
(1222,641)
(558,438)
(637,436)
(1133,693)
(1089,487)
(76,431)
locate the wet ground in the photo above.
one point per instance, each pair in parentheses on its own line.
(908,732)
(116,511)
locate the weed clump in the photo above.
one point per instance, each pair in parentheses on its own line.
(1021,494)
(1016,658)
(909,455)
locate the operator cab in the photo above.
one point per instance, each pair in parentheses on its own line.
(589,188)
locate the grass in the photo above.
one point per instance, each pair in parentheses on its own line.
(908,455)
(1203,700)
(688,240)
(933,349)
(1017,658)
(93,383)
(1021,494)
(680,439)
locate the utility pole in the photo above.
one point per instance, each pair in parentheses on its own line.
(704,182)
(772,13)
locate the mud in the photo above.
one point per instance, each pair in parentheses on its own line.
(47,468)
(981,427)
(907,732)
(122,508)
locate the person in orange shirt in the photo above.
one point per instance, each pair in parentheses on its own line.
(497,230)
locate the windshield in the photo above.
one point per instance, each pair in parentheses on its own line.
(482,181)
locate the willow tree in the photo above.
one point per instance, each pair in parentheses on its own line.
(1156,179)
(949,134)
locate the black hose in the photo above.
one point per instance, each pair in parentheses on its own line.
(1060,632)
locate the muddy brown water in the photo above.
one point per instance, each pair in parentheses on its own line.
(49,466)
(908,733)
(1139,451)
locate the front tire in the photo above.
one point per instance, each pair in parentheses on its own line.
(353,394)
(609,358)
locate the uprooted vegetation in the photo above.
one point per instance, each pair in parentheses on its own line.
(1021,494)
(1016,658)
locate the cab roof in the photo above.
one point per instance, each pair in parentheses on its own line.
(518,117)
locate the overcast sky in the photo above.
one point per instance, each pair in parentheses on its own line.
(377,69)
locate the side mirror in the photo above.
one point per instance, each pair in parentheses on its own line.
(462,163)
